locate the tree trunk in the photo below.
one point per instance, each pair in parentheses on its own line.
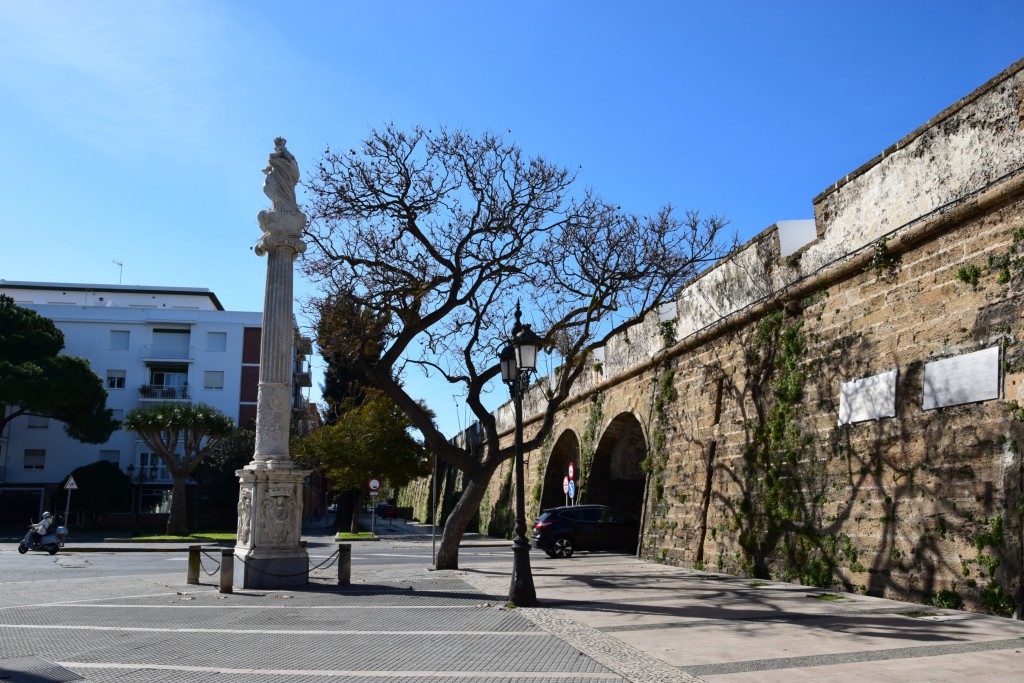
(177,520)
(357,502)
(460,517)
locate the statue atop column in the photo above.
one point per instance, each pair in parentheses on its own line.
(282,173)
(282,224)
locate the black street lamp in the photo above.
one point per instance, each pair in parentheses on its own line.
(519,359)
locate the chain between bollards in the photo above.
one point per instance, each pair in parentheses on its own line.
(227,565)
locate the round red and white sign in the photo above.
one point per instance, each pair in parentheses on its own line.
(373,484)
(565,485)
(570,470)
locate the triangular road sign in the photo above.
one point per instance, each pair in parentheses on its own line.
(71,485)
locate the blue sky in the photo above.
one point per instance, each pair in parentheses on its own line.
(136,131)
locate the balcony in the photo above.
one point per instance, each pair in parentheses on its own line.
(303,378)
(177,352)
(156,392)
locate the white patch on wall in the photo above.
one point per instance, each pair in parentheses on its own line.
(968,378)
(667,312)
(599,355)
(795,235)
(869,398)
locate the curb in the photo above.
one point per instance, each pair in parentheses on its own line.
(157,548)
(113,549)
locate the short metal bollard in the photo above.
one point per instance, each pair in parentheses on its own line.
(193,564)
(344,563)
(227,570)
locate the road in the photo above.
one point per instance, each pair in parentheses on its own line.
(35,566)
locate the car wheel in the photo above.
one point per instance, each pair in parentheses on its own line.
(562,547)
(550,553)
(52,549)
(22,548)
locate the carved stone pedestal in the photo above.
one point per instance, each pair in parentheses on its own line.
(268,554)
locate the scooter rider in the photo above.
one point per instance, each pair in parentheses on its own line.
(41,528)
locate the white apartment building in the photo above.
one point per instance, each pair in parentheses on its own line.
(149,344)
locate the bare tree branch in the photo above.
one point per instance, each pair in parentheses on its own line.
(434,235)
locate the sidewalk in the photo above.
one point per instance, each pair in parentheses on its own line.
(605,618)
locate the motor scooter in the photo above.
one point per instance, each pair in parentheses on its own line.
(51,542)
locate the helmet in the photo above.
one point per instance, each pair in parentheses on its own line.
(47,515)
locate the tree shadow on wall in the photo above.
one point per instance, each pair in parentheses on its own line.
(785,520)
(870,505)
(502,521)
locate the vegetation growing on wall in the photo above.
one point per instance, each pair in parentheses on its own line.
(502,515)
(777,528)
(667,330)
(657,456)
(588,443)
(968,274)
(542,464)
(884,263)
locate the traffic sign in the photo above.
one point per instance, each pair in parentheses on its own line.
(71,485)
(373,484)
(565,485)
(570,470)
(572,488)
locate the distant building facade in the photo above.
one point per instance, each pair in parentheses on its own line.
(148,344)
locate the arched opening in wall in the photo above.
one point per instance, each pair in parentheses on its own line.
(616,478)
(565,450)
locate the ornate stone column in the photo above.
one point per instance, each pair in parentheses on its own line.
(267,552)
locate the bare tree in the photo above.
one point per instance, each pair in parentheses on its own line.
(432,236)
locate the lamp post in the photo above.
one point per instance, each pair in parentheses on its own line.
(519,359)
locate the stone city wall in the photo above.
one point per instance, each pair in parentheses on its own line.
(836,402)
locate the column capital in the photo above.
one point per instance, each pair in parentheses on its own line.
(281,229)
(271,241)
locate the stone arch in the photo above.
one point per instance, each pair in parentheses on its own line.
(616,478)
(565,450)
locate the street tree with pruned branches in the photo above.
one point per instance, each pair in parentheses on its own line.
(431,236)
(180,434)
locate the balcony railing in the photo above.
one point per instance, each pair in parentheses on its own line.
(155,392)
(168,352)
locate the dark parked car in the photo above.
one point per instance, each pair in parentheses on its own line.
(561,531)
(387,510)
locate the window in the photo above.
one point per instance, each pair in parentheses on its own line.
(37,422)
(213,379)
(115,379)
(169,376)
(171,344)
(110,456)
(35,458)
(216,341)
(152,467)
(119,340)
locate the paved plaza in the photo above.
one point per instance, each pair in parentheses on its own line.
(84,616)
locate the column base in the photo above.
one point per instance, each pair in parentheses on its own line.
(271,569)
